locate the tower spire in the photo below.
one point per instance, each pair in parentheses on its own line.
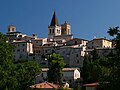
(54,20)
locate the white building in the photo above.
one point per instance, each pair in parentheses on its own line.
(22,50)
(99,43)
(70,75)
(39,41)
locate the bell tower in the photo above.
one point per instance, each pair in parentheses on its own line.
(65,29)
(54,29)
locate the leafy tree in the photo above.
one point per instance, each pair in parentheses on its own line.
(90,69)
(110,66)
(7,73)
(26,73)
(15,76)
(94,55)
(56,64)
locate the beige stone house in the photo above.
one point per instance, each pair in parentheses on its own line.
(99,43)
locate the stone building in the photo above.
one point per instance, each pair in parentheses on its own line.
(22,50)
(99,43)
(70,75)
(101,46)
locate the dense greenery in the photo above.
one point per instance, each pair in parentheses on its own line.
(26,73)
(104,70)
(110,66)
(56,64)
(90,71)
(7,73)
(17,76)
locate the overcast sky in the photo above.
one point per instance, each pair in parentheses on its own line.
(88,18)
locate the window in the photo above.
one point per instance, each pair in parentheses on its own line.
(59,31)
(53,30)
(50,30)
(18,45)
(18,50)
(75,42)
(12,29)
(77,61)
(76,55)
(34,51)
(23,50)
(9,29)
(45,51)
(23,44)
(33,57)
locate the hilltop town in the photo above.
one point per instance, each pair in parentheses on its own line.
(61,41)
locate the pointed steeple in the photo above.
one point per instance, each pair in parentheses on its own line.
(54,20)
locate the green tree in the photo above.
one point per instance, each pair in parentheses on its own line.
(26,73)
(7,73)
(110,66)
(90,69)
(15,76)
(56,64)
(94,55)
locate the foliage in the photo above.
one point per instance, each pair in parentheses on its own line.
(110,66)
(90,71)
(15,76)
(56,64)
(26,73)
(105,70)
(7,78)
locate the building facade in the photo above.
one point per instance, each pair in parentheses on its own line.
(99,43)
(70,75)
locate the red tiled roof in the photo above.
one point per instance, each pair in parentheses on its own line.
(91,84)
(45,85)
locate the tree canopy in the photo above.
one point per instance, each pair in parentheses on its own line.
(18,76)
(56,64)
(110,66)
(105,70)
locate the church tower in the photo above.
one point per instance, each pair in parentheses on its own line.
(54,29)
(65,29)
